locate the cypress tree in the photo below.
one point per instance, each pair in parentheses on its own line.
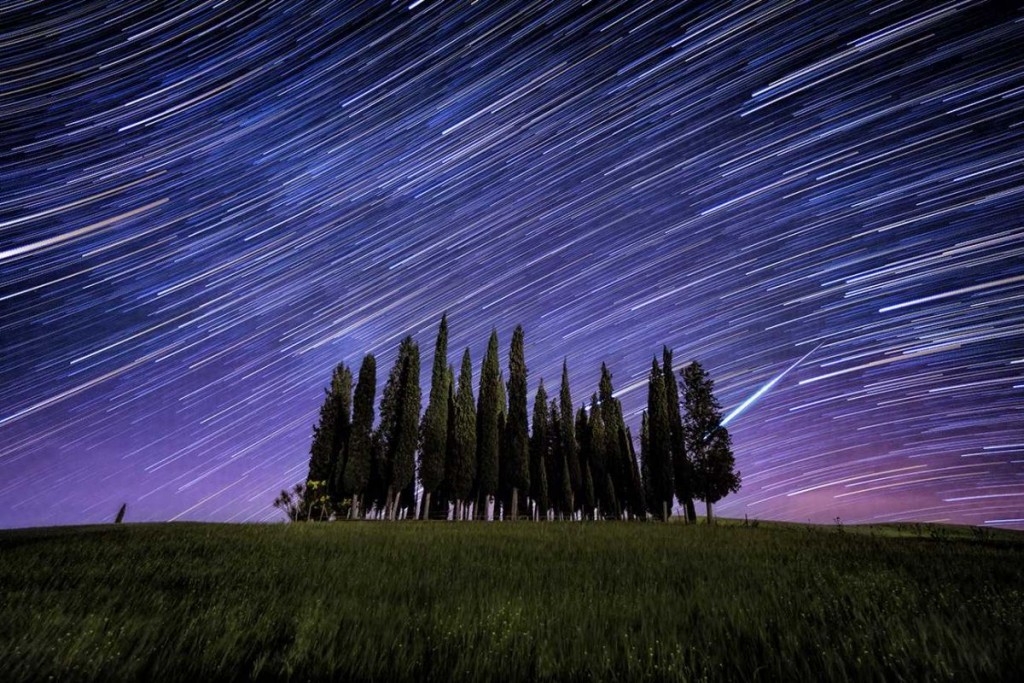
(631,474)
(444,491)
(681,466)
(435,420)
(517,456)
(658,442)
(504,490)
(587,501)
(341,387)
(570,448)
(598,464)
(706,440)
(589,496)
(616,449)
(400,416)
(380,472)
(323,452)
(566,491)
(462,469)
(356,475)
(487,435)
(650,499)
(554,456)
(538,450)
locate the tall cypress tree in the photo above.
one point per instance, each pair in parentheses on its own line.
(323,452)
(553,459)
(589,495)
(461,472)
(487,435)
(538,451)
(504,491)
(356,475)
(517,456)
(587,501)
(658,442)
(444,492)
(616,449)
(570,448)
(681,466)
(435,420)
(706,440)
(598,451)
(341,388)
(650,499)
(632,494)
(400,416)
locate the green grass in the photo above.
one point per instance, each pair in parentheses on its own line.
(479,602)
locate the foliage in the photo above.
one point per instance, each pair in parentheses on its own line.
(707,442)
(435,419)
(461,467)
(487,411)
(517,453)
(356,475)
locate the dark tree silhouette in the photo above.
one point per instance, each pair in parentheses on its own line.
(341,388)
(682,468)
(487,435)
(435,420)
(517,455)
(569,447)
(323,452)
(461,473)
(356,474)
(399,428)
(658,433)
(538,452)
(707,441)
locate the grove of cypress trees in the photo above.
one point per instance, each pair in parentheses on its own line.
(517,456)
(487,435)
(356,474)
(435,420)
(682,469)
(706,440)
(461,470)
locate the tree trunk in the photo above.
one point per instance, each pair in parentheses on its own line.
(514,511)
(711,517)
(664,511)
(691,511)
(426,505)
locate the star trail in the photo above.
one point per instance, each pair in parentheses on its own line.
(205,206)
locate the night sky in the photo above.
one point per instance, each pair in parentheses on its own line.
(205,206)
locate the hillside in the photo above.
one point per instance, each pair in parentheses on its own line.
(478,601)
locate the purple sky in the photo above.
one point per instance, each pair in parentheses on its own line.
(205,206)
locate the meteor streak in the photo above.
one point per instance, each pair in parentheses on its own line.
(764,390)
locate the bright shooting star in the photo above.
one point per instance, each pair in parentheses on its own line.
(763,390)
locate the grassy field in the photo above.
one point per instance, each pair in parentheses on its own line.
(479,602)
